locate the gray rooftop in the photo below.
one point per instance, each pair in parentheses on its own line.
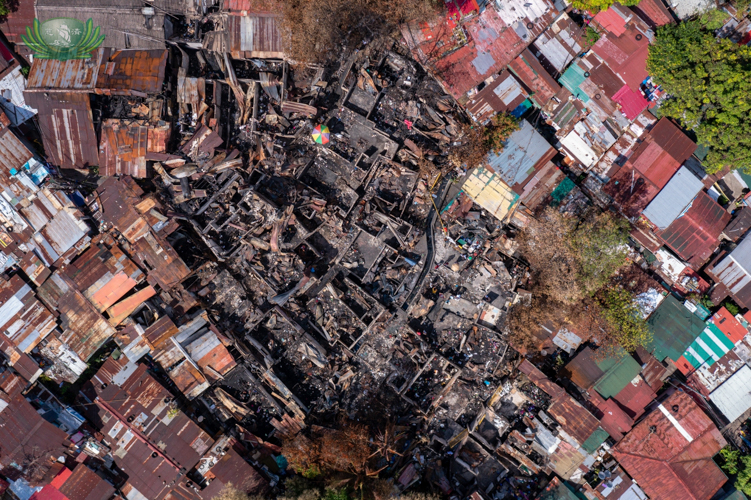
(674,198)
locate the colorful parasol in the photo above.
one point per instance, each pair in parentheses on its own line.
(321,134)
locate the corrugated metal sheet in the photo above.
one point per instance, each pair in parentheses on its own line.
(654,162)
(492,45)
(729,325)
(73,74)
(256,35)
(695,235)
(502,94)
(529,70)
(674,198)
(733,272)
(654,13)
(67,128)
(24,321)
(84,328)
(572,80)
(560,43)
(674,328)
(85,484)
(166,268)
(673,140)
(556,490)
(583,370)
(679,450)
(125,307)
(120,21)
(611,20)
(13,156)
(707,349)
(635,397)
(613,419)
(626,54)
(104,273)
(124,145)
(116,205)
(541,186)
(631,191)
(151,440)
(243,7)
(632,103)
(15,22)
(572,416)
(123,71)
(23,429)
(524,153)
(488,190)
(619,371)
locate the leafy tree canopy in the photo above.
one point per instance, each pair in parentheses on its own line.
(709,84)
(596,6)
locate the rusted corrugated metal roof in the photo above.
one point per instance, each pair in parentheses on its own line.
(167,269)
(243,7)
(635,397)
(612,418)
(728,325)
(583,369)
(654,162)
(654,13)
(15,22)
(502,94)
(533,75)
(256,35)
(560,43)
(231,468)
(126,71)
(152,441)
(85,484)
(13,156)
(116,202)
(104,273)
(626,54)
(84,328)
(669,453)
(124,145)
(573,417)
(72,74)
(673,140)
(631,190)
(160,332)
(23,429)
(23,319)
(125,307)
(695,235)
(67,128)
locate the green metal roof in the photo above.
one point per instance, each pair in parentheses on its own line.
(595,440)
(619,370)
(572,78)
(674,328)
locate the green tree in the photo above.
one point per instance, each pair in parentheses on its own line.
(478,140)
(730,459)
(497,132)
(595,6)
(591,35)
(626,326)
(600,244)
(708,82)
(739,466)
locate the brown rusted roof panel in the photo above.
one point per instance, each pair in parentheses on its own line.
(124,145)
(85,484)
(256,35)
(665,463)
(24,321)
(73,74)
(67,128)
(84,328)
(127,70)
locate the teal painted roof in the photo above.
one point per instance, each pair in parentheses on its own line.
(572,79)
(557,490)
(619,372)
(595,440)
(674,328)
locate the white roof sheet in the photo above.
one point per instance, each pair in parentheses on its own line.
(733,397)
(674,199)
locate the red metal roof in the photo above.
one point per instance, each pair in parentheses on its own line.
(654,13)
(625,55)
(728,325)
(14,24)
(654,162)
(635,397)
(530,71)
(662,459)
(49,492)
(612,418)
(491,46)
(695,235)
(611,21)
(631,190)
(61,477)
(244,7)
(673,140)
(632,103)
